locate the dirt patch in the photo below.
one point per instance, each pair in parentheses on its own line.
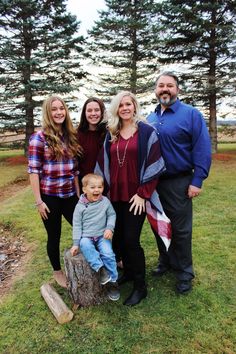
(16,160)
(224,157)
(12,188)
(19,183)
(14,254)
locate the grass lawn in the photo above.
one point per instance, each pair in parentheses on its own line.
(227,147)
(10,153)
(11,172)
(202,322)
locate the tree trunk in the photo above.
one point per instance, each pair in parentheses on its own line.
(213,126)
(26,72)
(29,129)
(212,84)
(83,283)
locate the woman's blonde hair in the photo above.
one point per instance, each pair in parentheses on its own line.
(54,135)
(114,121)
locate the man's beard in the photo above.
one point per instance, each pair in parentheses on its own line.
(167,101)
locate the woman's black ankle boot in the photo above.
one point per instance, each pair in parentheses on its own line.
(136,296)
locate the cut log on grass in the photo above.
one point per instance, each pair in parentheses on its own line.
(83,283)
(59,309)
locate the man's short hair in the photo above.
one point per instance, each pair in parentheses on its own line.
(171,74)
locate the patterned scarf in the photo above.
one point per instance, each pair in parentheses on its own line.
(151,166)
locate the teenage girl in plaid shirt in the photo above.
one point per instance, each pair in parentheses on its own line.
(53,173)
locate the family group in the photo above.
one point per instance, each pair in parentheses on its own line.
(113,170)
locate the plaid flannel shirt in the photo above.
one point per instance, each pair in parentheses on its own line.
(56,176)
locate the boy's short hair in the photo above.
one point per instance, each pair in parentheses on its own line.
(89,176)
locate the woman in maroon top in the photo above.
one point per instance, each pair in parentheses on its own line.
(91,134)
(126,193)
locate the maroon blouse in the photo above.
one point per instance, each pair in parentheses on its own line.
(125,179)
(91,143)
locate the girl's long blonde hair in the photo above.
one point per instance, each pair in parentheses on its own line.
(114,122)
(54,135)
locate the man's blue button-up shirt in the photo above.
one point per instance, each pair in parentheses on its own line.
(184,139)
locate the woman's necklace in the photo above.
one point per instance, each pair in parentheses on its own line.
(121,160)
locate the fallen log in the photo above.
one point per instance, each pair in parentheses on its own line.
(59,309)
(83,282)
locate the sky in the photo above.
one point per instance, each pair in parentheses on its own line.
(86,12)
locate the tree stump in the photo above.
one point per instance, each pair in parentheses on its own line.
(83,282)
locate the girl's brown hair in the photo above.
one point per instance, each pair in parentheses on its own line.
(84,125)
(54,135)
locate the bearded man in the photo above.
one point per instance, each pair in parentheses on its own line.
(186,149)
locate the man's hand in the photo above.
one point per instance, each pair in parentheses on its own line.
(108,234)
(193,191)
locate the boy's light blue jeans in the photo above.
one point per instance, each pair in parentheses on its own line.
(98,252)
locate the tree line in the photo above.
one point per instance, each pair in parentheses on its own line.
(132,40)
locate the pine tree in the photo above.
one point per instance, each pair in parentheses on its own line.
(40,55)
(123,41)
(200,36)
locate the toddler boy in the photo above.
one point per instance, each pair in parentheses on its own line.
(93,225)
